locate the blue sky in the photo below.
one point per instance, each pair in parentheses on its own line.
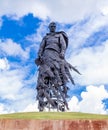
(22,27)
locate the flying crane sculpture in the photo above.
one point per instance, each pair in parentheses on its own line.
(54,71)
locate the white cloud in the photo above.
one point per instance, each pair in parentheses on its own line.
(14,87)
(80,32)
(103,6)
(105,10)
(11,82)
(2,109)
(16,90)
(36,38)
(93,65)
(4,65)
(40,32)
(91,100)
(31,107)
(71,11)
(13,49)
(62,10)
(20,8)
(73,104)
(25,97)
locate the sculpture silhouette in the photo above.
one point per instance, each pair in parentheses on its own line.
(53,71)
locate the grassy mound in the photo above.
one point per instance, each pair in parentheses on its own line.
(53,115)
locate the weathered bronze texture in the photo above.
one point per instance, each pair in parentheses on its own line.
(53,71)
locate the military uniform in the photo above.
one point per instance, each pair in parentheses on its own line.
(54,42)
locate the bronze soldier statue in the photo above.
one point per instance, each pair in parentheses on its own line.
(53,70)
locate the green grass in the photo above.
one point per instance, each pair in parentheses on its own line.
(53,115)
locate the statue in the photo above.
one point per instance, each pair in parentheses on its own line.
(53,71)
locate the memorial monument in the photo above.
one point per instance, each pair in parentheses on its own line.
(54,71)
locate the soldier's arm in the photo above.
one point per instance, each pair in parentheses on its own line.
(41,48)
(62,46)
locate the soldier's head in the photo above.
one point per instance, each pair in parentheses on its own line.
(52,27)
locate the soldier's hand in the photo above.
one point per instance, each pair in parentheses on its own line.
(62,55)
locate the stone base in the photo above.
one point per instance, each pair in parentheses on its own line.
(23,124)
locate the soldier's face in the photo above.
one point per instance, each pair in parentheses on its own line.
(52,28)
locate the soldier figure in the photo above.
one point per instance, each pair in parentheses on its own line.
(53,70)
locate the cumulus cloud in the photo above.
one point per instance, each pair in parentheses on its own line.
(17,9)
(91,100)
(11,81)
(62,10)
(2,109)
(25,97)
(40,32)
(11,48)
(14,90)
(103,6)
(105,10)
(81,31)
(36,38)
(4,65)
(31,107)
(14,87)
(71,11)
(92,63)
